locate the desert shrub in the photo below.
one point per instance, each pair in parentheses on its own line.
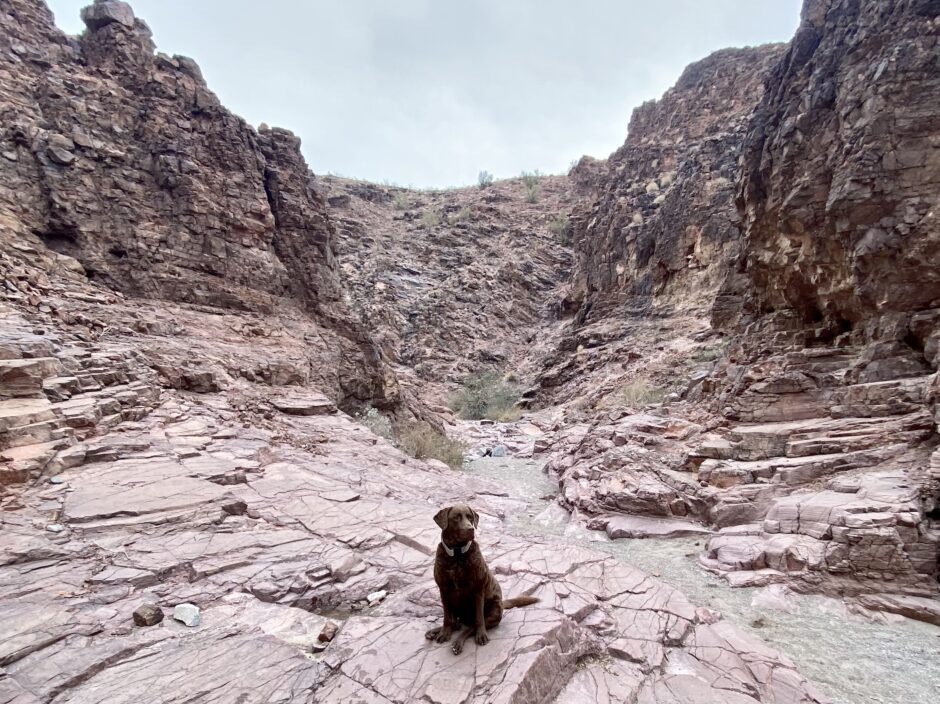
(430,218)
(485,179)
(377,423)
(560,227)
(400,200)
(424,442)
(531,178)
(486,395)
(461,215)
(532,192)
(638,393)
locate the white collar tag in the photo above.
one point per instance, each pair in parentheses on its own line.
(463,549)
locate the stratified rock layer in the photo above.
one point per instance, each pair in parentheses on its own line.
(663,231)
(123,162)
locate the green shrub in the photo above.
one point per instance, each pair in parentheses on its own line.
(485,179)
(461,215)
(376,422)
(430,218)
(424,442)
(560,227)
(400,200)
(531,178)
(486,395)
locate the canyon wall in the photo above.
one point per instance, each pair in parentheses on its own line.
(664,224)
(842,170)
(123,160)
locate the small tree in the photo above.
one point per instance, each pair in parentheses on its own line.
(485,179)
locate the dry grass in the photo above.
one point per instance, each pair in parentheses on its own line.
(638,393)
(424,442)
(430,218)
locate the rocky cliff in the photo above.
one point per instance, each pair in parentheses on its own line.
(122,160)
(842,172)
(453,282)
(811,445)
(660,233)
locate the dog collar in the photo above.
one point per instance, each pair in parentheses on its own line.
(462,549)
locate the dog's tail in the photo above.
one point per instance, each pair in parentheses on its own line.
(519,601)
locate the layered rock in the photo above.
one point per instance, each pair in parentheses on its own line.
(662,232)
(123,160)
(842,169)
(817,462)
(841,181)
(456,281)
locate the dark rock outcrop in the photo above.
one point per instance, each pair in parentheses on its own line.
(122,159)
(842,169)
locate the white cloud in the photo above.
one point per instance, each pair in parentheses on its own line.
(429,92)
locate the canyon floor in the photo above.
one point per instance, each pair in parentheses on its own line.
(718,471)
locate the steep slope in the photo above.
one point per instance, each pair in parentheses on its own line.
(812,445)
(656,244)
(123,161)
(842,176)
(455,281)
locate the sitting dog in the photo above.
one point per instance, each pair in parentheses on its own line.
(470,593)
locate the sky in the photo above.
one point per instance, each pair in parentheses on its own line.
(428,93)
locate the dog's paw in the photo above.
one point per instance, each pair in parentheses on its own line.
(443,636)
(433,633)
(482,638)
(457,647)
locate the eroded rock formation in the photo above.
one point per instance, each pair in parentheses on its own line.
(460,280)
(122,160)
(812,445)
(656,243)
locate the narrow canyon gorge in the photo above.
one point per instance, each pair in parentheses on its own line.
(226,383)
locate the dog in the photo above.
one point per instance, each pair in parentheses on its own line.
(470,593)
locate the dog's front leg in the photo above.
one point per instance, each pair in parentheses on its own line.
(481,636)
(443,633)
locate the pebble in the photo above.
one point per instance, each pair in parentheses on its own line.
(187,614)
(55,528)
(328,632)
(56,480)
(148,615)
(376,597)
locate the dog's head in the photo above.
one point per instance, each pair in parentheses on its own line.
(457,523)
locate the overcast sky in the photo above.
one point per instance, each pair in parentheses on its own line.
(429,92)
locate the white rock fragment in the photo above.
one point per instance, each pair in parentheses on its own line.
(187,614)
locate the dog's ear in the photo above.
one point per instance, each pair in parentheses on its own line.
(441,517)
(475,517)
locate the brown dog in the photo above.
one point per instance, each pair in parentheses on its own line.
(470,593)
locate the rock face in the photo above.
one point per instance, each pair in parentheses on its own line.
(455,281)
(817,462)
(123,161)
(663,229)
(842,171)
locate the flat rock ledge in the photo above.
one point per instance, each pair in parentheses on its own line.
(315,534)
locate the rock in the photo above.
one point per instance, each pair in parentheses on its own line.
(149,615)
(187,614)
(304,405)
(375,597)
(56,528)
(498,451)
(650,527)
(328,632)
(105,12)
